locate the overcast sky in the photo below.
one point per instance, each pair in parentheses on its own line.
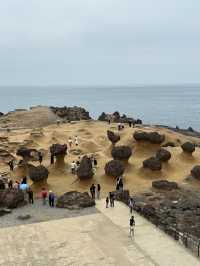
(99,42)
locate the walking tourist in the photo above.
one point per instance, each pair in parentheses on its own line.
(11,165)
(44,196)
(10,183)
(92,191)
(111,195)
(52,159)
(98,191)
(76,140)
(130,123)
(95,162)
(30,196)
(121,184)
(40,157)
(107,202)
(131,204)
(51,198)
(73,167)
(24,180)
(70,142)
(132,224)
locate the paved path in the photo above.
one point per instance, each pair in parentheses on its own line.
(99,239)
(154,246)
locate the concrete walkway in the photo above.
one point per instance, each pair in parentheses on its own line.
(152,245)
(99,239)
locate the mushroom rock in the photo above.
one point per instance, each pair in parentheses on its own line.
(152,137)
(39,173)
(59,151)
(114,168)
(121,153)
(195,172)
(188,147)
(114,138)
(85,170)
(163,155)
(26,154)
(153,164)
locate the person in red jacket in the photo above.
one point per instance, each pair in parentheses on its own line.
(44,196)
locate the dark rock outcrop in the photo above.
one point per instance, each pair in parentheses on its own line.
(1,114)
(122,153)
(153,164)
(195,172)
(12,198)
(27,154)
(188,147)
(114,138)
(169,144)
(85,170)
(122,196)
(75,200)
(114,168)
(4,211)
(38,173)
(71,113)
(164,185)
(152,137)
(117,118)
(58,149)
(163,155)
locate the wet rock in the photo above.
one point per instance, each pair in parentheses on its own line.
(195,172)
(114,138)
(114,168)
(188,147)
(164,184)
(152,137)
(12,198)
(163,155)
(122,153)
(153,164)
(38,173)
(75,200)
(85,170)
(71,113)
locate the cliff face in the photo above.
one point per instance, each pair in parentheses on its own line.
(71,113)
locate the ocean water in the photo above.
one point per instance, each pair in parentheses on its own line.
(167,105)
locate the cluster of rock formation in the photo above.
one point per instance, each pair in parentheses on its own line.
(85,169)
(152,137)
(71,113)
(117,118)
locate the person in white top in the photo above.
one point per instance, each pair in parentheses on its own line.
(73,167)
(76,140)
(70,142)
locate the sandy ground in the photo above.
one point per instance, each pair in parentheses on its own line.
(93,140)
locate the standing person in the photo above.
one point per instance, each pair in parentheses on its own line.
(132,224)
(131,203)
(130,123)
(24,180)
(111,199)
(107,202)
(30,196)
(52,159)
(40,157)
(10,183)
(51,198)
(11,165)
(16,185)
(70,142)
(117,183)
(44,196)
(109,121)
(119,126)
(73,167)
(121,184)
(76,140)
(95,162)
(98,191)
(92,191)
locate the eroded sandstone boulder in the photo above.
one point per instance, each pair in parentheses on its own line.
(114,138)
(38,173)
(164,185)
(163,155)
(153,164)
(188,147)
(114,168)
(75,200)
(122,196)
(122,153)
(59,151)
(152,137)
(195,172)
(12,198)
(85,170)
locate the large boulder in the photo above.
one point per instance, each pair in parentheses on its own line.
(122,196)
(195,172)
(71,113)
(39,173)
(114,138)
(153,164)
(58,149)
(188,147)
(114,168)
(122,153)
(12,198)
(75,200)
(163,155)
(164,185)
(153,137)
(27,154)
(85,170)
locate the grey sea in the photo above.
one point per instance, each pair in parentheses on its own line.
(166,105)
